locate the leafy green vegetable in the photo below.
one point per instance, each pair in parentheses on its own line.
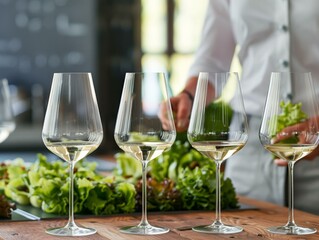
(97,201)
(14,183)
(45,185)
(125,197)
(181,178)
(136,136)
(108,198)
(127,169)
(16,190)
(218,117)
(291,114)
(162,196)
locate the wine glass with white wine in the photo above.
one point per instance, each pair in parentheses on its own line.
(218,129)
(72,130)
(144,129)
(289,130)
(7,122)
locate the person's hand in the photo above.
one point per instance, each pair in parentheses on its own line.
(281,162)
(181,106)
(304,137)
(183,102)
(165,117)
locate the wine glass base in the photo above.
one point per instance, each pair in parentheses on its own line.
(218,229)
(71,231)
(144,230)
(291,230)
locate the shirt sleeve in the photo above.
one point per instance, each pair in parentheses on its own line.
(217,45)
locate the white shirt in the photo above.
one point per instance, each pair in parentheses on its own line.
(272,35)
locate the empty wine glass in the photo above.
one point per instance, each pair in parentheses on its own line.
(144,129)
(7,122)
(72,130)
(289,130)
(218,129)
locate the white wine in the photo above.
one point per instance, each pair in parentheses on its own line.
(144,151)
(72,150)
(290,152)
(218,150)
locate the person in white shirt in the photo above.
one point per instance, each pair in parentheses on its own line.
(272,35)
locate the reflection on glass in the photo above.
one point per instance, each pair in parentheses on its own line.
(7,123)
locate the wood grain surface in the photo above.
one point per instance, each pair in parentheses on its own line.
(254,221)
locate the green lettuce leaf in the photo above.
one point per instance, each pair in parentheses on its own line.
(291,114)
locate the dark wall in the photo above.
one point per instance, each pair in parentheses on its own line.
(40,37)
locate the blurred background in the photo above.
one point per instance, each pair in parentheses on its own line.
(104,37)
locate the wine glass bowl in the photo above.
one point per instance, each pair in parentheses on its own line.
(144,129)
(7,122)
(218,129)
(289,130)
(72,130)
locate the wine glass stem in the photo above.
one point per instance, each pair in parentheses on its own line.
(71,222)
(144,221)
(218,205)
(291,221)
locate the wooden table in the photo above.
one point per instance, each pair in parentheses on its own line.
(254,221)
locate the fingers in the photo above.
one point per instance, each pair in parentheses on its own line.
(165,117)
(181,106)
(288,132)
(281,162)
(182,115)
(300,131)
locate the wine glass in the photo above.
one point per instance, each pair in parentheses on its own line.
(289,130)
(218,129)
(144,129)
(72,130)
(7,122)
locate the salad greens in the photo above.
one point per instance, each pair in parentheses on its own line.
(12,184)
(291,114)
(45,185)
(180,179)
(218,117)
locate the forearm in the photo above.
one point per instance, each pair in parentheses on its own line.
(191,84)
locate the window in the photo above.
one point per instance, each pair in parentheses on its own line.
(170,35)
